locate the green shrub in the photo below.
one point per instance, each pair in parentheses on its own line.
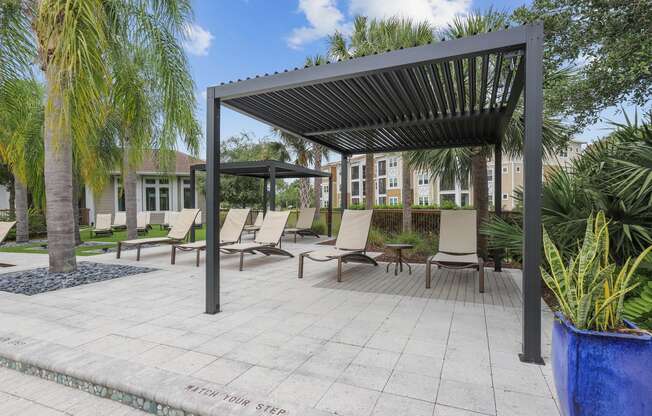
(431,206)
(638,308)
(356,206)
(376,237)
(319,227)
(448,205)
(423,245)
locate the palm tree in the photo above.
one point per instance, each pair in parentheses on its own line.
(138,106)
(461,163)
(304,156)
(72,41)
(21,145)
(377,36)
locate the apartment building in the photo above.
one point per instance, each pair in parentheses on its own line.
(427,190)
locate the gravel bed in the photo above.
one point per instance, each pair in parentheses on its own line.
(35,281)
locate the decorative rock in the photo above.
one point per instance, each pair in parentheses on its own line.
(35,281)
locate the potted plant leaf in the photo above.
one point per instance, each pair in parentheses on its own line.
(600,360)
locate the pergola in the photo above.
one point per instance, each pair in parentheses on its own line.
(456,93)
(269,171)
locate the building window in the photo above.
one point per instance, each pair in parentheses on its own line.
(393,182)
(447,183)
(382,186)
(505,197)
(355,188)
(446,197)
(518,169)
(563,153)
(157,194)
(424,200)
(505,169)
(393,162)
(355,172)
(355,201)
(464,200)
(187,198)
(364,171)
(423,179)
(120,195)
(393,200)
(382,168)
(382,200)
(490,175)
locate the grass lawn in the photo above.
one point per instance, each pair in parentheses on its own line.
(110,240)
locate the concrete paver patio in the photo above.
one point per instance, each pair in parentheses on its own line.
(374,344)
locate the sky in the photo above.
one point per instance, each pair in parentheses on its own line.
(235,39)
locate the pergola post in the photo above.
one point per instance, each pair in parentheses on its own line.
(329,214)
(344,186)
(532,154)
(272,188)
(212,202)
(265,199)
(193,203)
(498,195)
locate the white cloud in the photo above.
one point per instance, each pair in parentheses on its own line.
(198,40)
(324,18)
(437,12)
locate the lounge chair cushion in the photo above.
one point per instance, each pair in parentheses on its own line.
(120,219)
(5,226)
(455,258)
(354,229)
(233,224)
(306,216)
(245,246)
(103,222)
(183,223)
(196,244)
(458,231)
(272,228)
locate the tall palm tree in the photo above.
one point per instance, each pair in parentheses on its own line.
(73,40)
(461,163)
(21,145)
(377,36)
(304,156)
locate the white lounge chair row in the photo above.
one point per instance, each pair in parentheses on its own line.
(104,226)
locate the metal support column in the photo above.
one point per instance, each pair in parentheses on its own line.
(498,195)
(532,195)
(329,214)
(344,186)
(212,202)
(272,188)
(193,203)
(265,199)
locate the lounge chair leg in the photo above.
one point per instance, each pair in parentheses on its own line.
(138,252)
(173,255)
(198,253)
(117,253)
(428,277)
(481,274)
(300,266)
(241,259)
(339,269)
(295,237)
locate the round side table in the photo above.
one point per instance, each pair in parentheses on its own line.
(398,259)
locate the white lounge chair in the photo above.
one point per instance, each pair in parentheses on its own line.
(303,226)
(169,218)
(142,222)
(5,227)
(119,221)
(229,233)
(458,247)
(351,243)
(177,233)
(102,225)
(253,228)
(267,240)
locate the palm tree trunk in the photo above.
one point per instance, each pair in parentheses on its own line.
(406,194)
(480,196)
(58,184)
(75,208)
(129,188)
(304,193)
(317,157)
(22,218)
(369,181)
(12,194)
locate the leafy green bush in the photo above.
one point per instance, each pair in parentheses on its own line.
(589,287)
(446,204)
(638,308)
(356,206)
(319,227)
(431,206)
(423,245)
(376,237)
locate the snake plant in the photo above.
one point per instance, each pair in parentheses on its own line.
(590,288)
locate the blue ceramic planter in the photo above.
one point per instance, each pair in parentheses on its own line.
(599,373)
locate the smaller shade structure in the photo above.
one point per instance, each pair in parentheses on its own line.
(269,171)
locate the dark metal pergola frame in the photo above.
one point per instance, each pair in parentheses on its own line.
(269,171)
(456,93)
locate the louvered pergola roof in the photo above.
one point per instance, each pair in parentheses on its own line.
(445,94)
